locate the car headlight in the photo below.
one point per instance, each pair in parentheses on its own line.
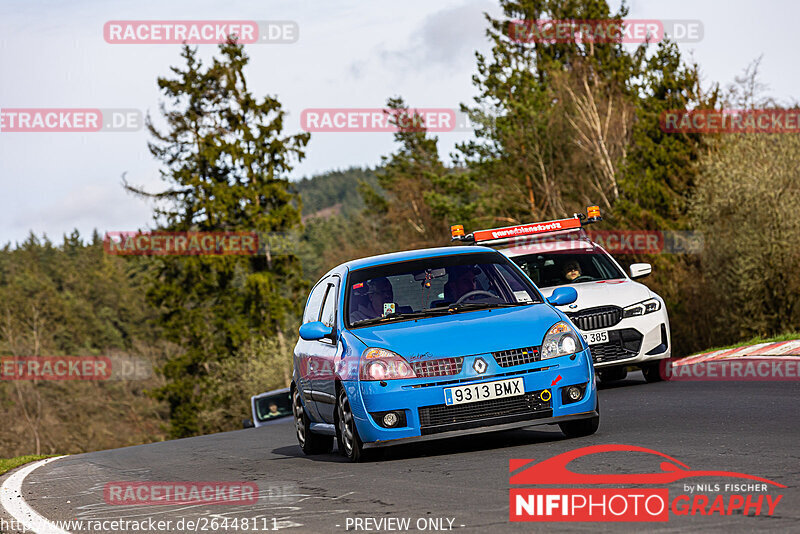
(383,364)
(560,340)
(641,308)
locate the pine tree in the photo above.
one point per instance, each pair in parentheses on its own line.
(225,159)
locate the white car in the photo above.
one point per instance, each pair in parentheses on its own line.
(269,407)
(623,321)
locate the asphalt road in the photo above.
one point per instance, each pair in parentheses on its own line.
(747,427)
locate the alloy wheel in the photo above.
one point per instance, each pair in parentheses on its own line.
(299,418)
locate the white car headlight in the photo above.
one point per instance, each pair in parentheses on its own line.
(641,308)
(560,340)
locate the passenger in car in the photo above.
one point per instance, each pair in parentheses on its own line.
(370,306)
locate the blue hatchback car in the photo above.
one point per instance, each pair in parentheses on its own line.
(436,343)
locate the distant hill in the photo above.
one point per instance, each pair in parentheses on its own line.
(333,192)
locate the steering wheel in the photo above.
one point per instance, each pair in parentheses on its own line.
(582,278)
(475,293)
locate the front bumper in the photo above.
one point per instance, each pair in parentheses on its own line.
(634,341)
(427,416)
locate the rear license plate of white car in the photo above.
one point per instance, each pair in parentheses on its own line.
(593,338)
(485,391)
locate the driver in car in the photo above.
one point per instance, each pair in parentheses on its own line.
(572,270)
(460,281)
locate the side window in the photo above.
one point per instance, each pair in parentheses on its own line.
(311,313)
(329,308)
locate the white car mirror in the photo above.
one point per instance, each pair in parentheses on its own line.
(640,270)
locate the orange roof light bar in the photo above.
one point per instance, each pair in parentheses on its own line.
(575,222)
(527,229)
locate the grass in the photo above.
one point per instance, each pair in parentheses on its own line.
(789,336)
(7,464)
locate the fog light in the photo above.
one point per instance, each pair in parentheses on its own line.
(573,393)
(390,419)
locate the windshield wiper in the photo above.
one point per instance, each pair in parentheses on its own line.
(477,306)
(377,320)
(439,310)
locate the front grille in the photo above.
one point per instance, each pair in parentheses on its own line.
(441,418)
(594,318)
(609,352)
(439,367)
(622,344)
(510,358)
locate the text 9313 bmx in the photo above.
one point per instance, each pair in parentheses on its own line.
(435,343)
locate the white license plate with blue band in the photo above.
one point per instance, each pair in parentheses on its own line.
(484,391)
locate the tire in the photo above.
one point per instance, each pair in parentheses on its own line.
(581,427)
(309,442)
(652,372)
(347,438)
(612,374)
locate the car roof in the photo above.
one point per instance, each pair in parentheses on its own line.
(269,393)
(395,257)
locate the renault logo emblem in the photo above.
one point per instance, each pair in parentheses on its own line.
(480,365)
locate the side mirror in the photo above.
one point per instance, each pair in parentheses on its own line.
(247,423)
(563,296)
(640,270)
(315,331)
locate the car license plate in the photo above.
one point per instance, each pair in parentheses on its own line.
(484,391)
(593,338)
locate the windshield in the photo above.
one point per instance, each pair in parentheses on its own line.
(433,286)
(273,406)
(560,268)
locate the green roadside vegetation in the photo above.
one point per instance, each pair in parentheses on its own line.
(7,464)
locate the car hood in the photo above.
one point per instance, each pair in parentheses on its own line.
(463,334)
(604,293)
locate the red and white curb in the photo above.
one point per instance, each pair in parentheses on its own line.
(780,349)
(14,504)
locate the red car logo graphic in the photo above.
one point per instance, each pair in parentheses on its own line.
(554,470)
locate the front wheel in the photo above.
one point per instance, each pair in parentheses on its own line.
(652,372)
(346,432)
(309,442)
(612,374)
(581,427)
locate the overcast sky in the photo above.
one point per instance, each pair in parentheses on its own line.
(349,54)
